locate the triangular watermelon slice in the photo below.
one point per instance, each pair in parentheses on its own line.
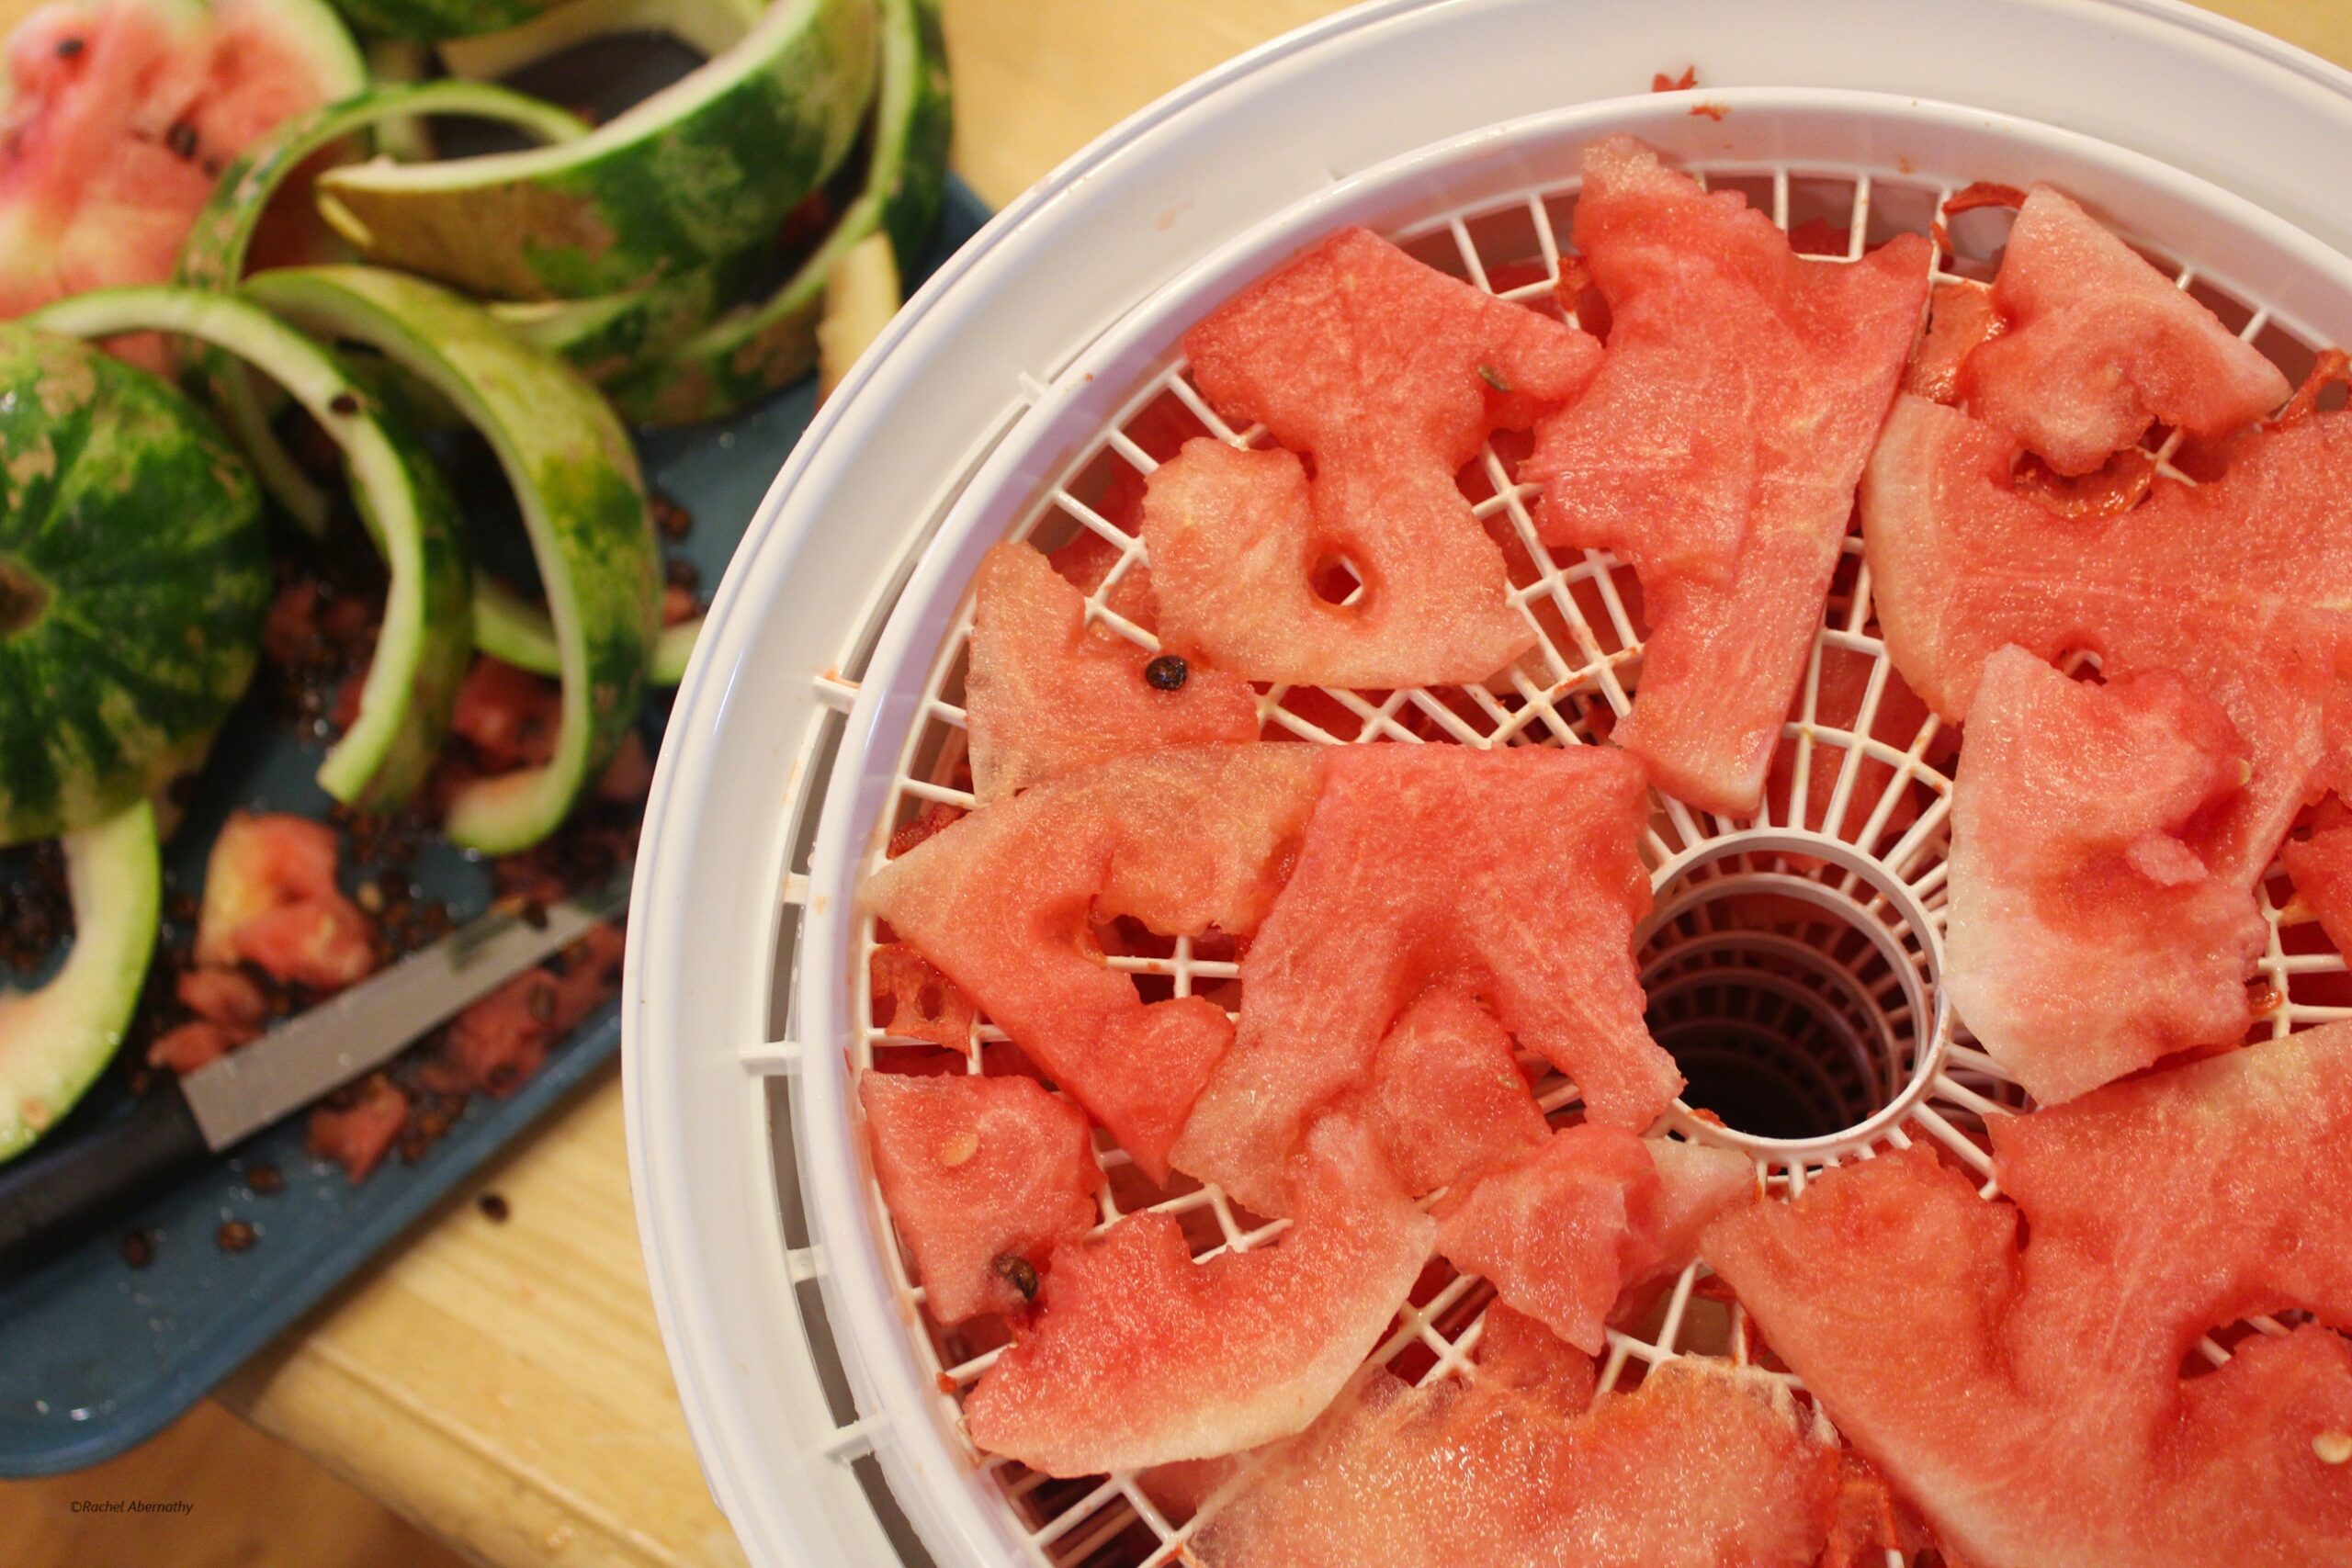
(2024,1391)
(1717,450)
(2243,585)
(1566,1230)
(2097,344)
(1514,874)
(1141,1356)
(1447,1095)
(1703,1465)
(1045,692)
(2087,935)
(1387,375)
(982,1175)
(1003,901)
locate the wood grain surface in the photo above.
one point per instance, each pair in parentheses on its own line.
(501,1385)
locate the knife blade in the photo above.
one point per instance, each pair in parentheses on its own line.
(56,1196)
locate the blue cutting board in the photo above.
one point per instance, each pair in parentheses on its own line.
(95,1356)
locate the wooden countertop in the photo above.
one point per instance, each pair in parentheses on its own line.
(502,1385)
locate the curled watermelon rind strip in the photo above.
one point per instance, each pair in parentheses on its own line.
(510,628)
(54,1042)
(421,652)
(213,255)
(575,479)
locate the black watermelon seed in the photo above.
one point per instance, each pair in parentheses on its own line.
(1166,673)
(1018,1272)
(181,139)
(343,404)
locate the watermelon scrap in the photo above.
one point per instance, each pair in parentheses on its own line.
(2032,1405)
(1961,316)
(1703,1465)
(1514,874)
(1389,376)
(270,900)
(2098,344)
(1517,1352)
(358,1128)
(1717,451)
(1045,692)
(1002,902)
(2087,935)
(1141,1356)
(1447,1095)
(2321,866)
(980,1173)
(2240,585)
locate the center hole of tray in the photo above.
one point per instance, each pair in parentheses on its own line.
(1794,986)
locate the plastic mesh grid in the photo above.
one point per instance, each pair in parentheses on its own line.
(1858,808)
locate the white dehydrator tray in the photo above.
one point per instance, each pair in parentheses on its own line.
(820,706)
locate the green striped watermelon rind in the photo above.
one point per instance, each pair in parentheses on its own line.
(429,21)
(754,349)
(422,650)
(54,1042)
(708,27)
(575,478)
(137,571)
(510,628)
(703,169)
(213,255)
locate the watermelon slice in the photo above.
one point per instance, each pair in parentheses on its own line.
(2321,866)
(1002,901)
(1559,1229)
(1515,1352)
(116,118)
(1447,1095)
(1717,450)
(1045,692)
(984,1178)
(2087,935)
(1566,1230)
(1141,1356)
(2240,585)
(2098,344)
(2032,1404)
(1388,375)
(1515,874)
(1702,1466)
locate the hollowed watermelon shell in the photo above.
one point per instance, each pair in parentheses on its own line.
(2024,1391)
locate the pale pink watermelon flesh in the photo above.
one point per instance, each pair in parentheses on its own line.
(2085,936)
(2321,866)
(1002,902)
(1447,1095)
(1512,873)
(1142,1357)
(117,117)
(2241,585)
(2031,1404)
(981,1174)
(1045,692)
(1700,1466)
(1388,374)
(1717,451)
(2098,344)
(1559,1230)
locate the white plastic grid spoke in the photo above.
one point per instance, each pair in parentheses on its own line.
(1860,789)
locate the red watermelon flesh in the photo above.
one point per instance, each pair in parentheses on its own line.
(117,115)
(1702,1466)
(1045,692)
(1560,1230)
(2321,866)
(1515,1351)
(1003,902)
(2087,936)
(1447,1095)
(1960,317)
(2031,1404)
(1141,1356)
(979,1172)
(1696,1182)
(2098,344)
(1717,451)
(2241,585)
(1388,374)
(1514,875)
